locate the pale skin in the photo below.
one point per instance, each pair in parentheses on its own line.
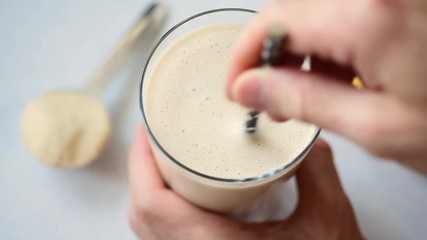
(158,213)
(383,41)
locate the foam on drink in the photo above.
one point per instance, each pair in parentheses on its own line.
(190,116)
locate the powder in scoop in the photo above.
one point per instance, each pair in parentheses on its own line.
(65,129)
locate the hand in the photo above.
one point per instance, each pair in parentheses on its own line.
(383,41)
(156,212)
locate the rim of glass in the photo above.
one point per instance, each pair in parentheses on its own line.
(170,157)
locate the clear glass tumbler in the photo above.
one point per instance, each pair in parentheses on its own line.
(212,193)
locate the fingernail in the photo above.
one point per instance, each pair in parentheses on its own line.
(278,118)
(249,92)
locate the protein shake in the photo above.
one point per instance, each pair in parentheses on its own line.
(202,149)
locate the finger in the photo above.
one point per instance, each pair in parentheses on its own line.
(323,31)
(322,201)
(145,182)
(311,98)
(143,173)
(317,178)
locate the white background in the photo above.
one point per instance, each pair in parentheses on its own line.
(57,44)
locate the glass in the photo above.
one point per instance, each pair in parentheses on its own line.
(212,193)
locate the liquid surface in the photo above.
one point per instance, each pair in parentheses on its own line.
(192,119)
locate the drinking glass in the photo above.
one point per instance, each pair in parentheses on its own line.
(209,192)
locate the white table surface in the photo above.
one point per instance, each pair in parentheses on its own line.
(57,44)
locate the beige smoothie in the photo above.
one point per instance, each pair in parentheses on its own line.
(195,124)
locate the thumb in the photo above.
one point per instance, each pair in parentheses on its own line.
(315,28)
(317,99)
(323,204)
(318,181)
(144,177)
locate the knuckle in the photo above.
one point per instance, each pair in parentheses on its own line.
(143,210)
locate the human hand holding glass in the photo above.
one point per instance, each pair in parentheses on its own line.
(156,212)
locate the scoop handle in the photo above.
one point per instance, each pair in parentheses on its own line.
(98,83)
